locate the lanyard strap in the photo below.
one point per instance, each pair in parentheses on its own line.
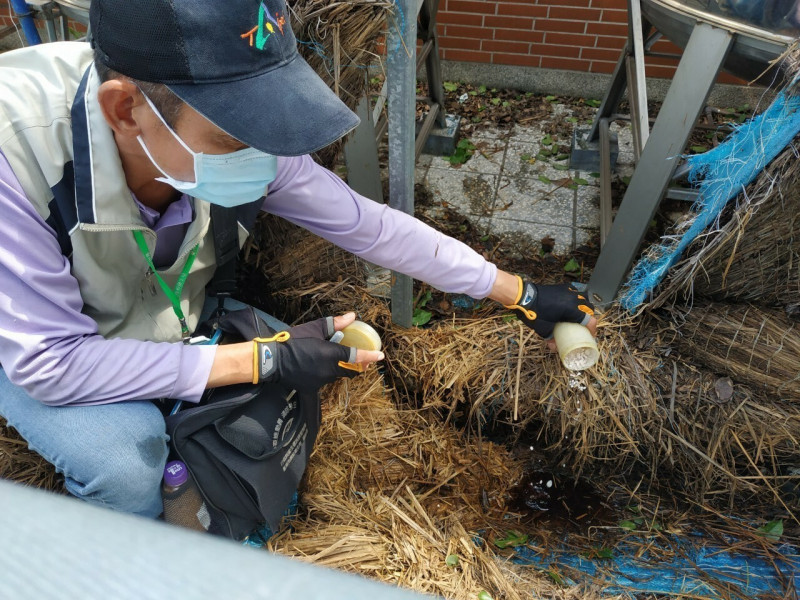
(173,295)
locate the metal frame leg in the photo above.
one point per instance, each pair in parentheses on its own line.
(361,156)
(401,62)
(619,81)
(433,68)
(696,74)
(637,83)
(605,182)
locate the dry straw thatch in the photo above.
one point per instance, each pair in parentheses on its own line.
(644,414)
(759,347)
(392,493)
(340,40)
(753,255)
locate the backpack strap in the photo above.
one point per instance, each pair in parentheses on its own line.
(225,229)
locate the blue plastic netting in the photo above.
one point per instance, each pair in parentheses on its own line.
(695,568)
(720,175)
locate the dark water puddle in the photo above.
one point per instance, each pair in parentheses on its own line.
(560,501)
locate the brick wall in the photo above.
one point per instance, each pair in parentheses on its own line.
(578,35)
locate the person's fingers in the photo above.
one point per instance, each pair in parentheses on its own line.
(592,326)
(343,321)
(367,357)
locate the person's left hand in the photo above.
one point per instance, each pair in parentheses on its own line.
(303,357)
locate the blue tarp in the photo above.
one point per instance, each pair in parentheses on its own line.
(693,567)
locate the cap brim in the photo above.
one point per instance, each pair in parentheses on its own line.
(288,111)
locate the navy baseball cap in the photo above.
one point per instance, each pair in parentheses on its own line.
(233,61)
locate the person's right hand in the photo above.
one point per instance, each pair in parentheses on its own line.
(302,357)
(540,307)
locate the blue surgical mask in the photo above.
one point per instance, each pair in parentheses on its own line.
(228,179)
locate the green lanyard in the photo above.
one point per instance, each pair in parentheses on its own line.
(173,295)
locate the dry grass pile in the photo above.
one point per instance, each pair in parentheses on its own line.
(759,347)
(340,40)
(392,494)
(24,466)
(641,413)
(754,253)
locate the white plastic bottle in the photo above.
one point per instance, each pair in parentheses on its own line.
(577,347)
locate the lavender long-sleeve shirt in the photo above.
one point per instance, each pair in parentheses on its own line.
(54,351)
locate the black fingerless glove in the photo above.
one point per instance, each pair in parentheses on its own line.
(303,358)
(540,307)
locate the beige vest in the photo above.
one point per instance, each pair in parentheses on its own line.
(63,153)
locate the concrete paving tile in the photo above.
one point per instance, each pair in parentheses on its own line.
(587,207)
(425,160)
(420,172)
(491,133)
(535,231)
(528,200)
(522,161)
(487,159)
(467,193)
(584,235)
(531,132)
(624,136)
(626,158)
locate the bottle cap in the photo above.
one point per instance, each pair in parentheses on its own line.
(175,473)
(360,335)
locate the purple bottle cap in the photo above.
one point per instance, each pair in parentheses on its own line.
(175,473)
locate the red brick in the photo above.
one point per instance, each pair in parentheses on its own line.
(550,50)
(570,39)
(574,14)
(462,43)
(615,16)
(658,60)
(484,7)
(667,47)
(510,47)
(519,36)
(659,71)
(467,55)
(522,10)
(615,29)
(602,67)
(506,22)
(620,4)
(563,26)
(459,19)
(478,33)
(604,41)
(518,60)
(582,3)
(549,62)
(599,54)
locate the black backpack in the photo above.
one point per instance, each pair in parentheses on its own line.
(246,446)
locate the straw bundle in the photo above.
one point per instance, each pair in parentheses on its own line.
(754,254)
(19,464)
(759,347)
(641,411)
(340,40)
(723,445)
(391,494)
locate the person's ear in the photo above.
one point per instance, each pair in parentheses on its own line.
(119,99)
